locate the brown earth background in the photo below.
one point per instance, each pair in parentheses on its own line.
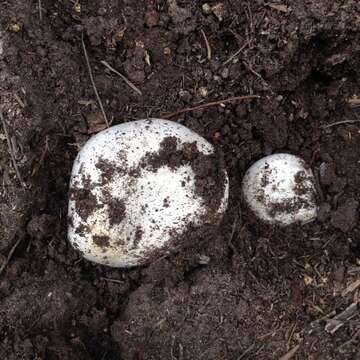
(247,291)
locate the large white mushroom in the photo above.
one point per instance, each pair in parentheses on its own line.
(280,189)
(137,186)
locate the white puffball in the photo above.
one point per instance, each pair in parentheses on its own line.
(280,189)
(128,199)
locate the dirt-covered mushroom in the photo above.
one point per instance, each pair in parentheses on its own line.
(138,186)
(280,189)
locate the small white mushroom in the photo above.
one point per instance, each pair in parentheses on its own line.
(280,189)
(135,188)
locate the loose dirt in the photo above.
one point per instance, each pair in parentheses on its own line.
(244,290)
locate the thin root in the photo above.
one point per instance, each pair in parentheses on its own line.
(127,81)
(40,10)
(208,48)
(233,56)
(213,103)
(93,81)
(18,99)
(351,288)
(246,352)
(115,281)
(340,123)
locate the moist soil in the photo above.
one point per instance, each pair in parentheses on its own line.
(245,291)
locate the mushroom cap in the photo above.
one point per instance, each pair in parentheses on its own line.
(280,189)
(128,200)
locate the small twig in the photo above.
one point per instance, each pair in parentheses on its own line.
(352,287)
(292,331)
(332,238)
(353,270)
(233,230)
(339,320)
(258,350)
(318,186)
(235,54)
(29,246)
(250,17)
(112,280)
(353,338)
(253,71)
(317,322)
(181,352)
(289,355)
(11,150)
(172,347)
(127,81)
(8,258)
(213,103)
(339,123)
(42,157)
(40,10)
(246,352)
(18,99)
(93,81)
(208,48)
(268,334)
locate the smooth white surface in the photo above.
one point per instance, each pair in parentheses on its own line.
(271,184)
(125,146)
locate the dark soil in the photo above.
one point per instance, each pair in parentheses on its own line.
(86,202)
(245,291)
(116,212)
(102,241)
(209,171)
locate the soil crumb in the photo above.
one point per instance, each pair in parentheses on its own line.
(85,202)
(116,211)
(209,170)
(101,241)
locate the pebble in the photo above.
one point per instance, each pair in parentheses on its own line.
(225,73)
(206,9)
(217,78)
(203,91)
(220,11)
(167,51)
(14,28)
